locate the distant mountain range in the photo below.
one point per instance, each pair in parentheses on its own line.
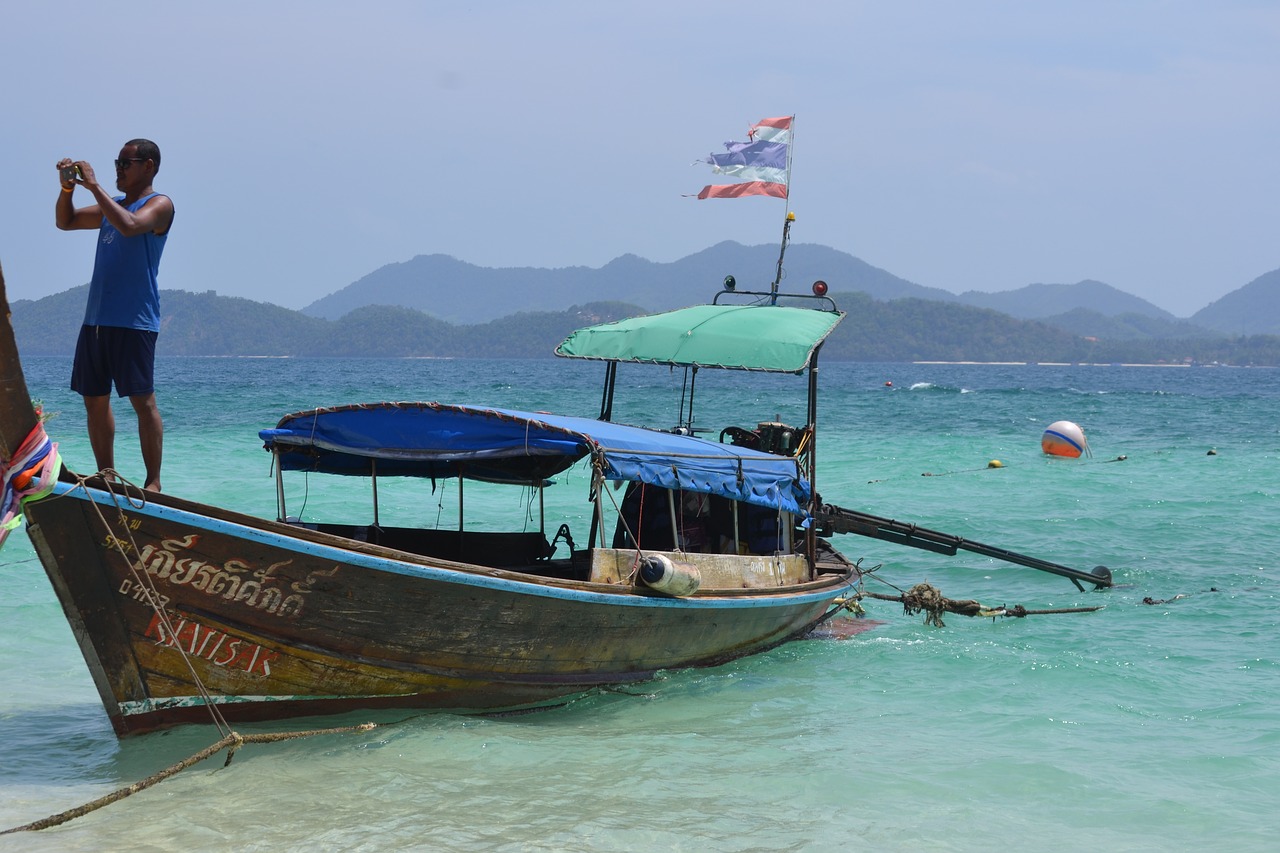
(1252,310)
(458,292)
(435,305)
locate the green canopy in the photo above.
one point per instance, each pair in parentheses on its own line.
(739,337)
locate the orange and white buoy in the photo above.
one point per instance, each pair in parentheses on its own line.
(1064,438)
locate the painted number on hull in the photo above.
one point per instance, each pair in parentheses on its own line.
(114,543)
(124,546)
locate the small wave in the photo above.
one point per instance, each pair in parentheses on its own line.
(930,386)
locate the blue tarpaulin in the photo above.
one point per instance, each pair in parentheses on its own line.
(501,445)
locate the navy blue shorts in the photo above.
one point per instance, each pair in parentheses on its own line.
(111,354)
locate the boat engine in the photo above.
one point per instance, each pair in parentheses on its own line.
(777,438)
(769,436)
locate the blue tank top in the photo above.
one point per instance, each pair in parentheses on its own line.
(124,290)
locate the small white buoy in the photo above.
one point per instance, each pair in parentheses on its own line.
(1063,438)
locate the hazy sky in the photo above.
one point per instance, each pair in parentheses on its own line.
(969,146)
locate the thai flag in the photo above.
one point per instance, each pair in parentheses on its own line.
(761,163)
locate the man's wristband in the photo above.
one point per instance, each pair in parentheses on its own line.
(67,189)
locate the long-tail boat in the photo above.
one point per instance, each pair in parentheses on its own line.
(181,608)
(697,551)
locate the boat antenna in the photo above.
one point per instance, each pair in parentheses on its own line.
(790,217)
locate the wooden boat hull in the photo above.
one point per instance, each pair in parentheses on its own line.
(269,621)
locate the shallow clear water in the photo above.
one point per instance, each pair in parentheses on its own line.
(1138,727)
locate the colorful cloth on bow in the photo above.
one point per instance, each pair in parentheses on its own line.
(30,474)
(761,165)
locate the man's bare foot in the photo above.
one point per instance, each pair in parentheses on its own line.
(153,486)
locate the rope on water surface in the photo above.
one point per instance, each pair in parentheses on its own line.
(996,464)
(1154,601)
(122,537)
(923,598)
(927,599)
(230,742)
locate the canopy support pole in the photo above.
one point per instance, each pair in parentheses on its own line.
(684,422)
(597,512)
(280,510)
(811,535)
(597,527)
(461,514)
(675,527)
(606,399)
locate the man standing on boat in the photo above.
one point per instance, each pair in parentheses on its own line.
(122,319)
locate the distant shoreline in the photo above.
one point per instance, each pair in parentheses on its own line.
(67,356)
(1082,364)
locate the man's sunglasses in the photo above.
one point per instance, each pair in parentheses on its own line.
(127,162)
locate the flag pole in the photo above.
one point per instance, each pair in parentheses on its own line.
(790,217)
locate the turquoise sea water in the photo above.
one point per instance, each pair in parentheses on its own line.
(1138,727)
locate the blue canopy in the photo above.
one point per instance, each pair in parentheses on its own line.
(505,446)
